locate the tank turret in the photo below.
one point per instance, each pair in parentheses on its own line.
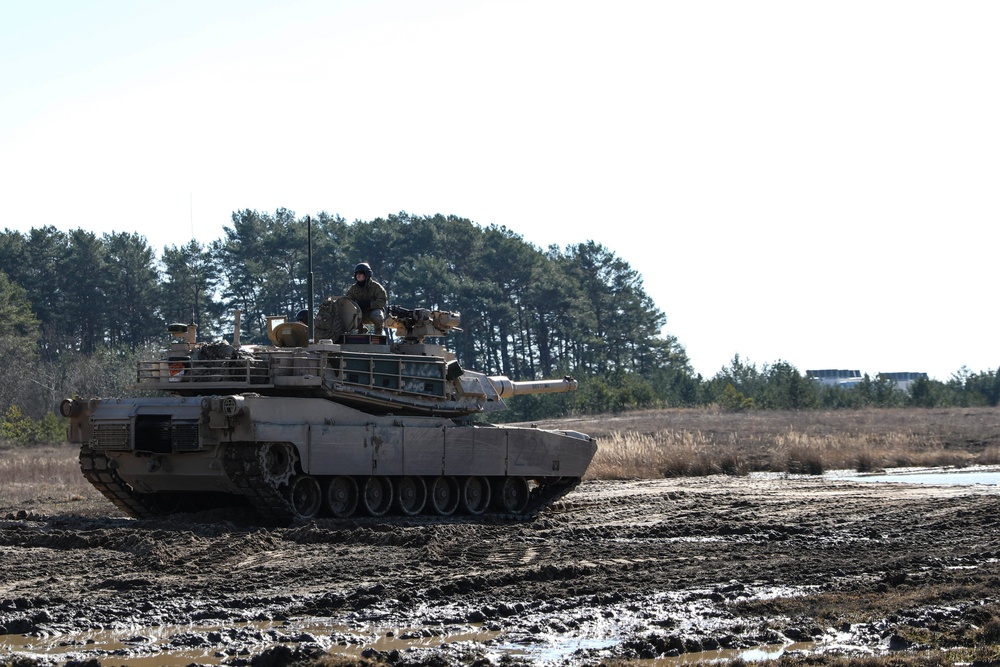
(338,425)
(404,374)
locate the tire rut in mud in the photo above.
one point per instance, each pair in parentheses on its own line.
(614,569)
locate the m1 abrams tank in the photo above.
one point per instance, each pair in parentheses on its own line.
(353,423)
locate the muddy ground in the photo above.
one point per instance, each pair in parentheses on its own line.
(615,570)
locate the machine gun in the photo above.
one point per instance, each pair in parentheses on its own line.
(416,323)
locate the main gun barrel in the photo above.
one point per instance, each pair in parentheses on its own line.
(505,387)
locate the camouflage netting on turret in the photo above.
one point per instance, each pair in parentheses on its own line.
(231,363)
(218,351)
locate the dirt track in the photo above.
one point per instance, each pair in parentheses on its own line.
(616,569)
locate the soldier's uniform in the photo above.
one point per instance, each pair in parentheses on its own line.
(371,298)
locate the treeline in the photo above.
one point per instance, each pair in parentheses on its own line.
(77,310)
(742,386)
(526,312)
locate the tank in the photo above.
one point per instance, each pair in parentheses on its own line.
(349,423)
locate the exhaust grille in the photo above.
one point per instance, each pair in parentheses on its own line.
(110,436)
(159,434)
(184,436)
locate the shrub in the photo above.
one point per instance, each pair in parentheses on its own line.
(20,429)
(805,460)
(733,400)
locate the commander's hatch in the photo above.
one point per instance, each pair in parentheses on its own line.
(287,334)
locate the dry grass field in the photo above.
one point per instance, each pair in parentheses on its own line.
(693,442)
(44,475)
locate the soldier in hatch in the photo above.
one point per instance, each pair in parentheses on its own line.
(370,296)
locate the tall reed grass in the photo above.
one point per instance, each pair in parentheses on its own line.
(664,454)
(632,446)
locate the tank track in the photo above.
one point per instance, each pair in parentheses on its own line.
(245,471)
(97,469)
(542,497)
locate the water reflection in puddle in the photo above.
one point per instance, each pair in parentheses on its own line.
(771,652)
(989,477)
(179,645)
(158,646)
(758,654)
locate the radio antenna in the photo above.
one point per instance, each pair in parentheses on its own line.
(309,280)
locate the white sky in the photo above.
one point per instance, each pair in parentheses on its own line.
(813,182)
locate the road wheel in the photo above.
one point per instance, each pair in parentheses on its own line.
(305,496)
(475,495)
(511,494)
(376,495)
(411,495)
(342,496)
(444,493)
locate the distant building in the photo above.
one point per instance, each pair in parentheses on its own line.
(903,380)
(835,377)
(838,377)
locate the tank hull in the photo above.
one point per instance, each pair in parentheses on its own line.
(302,458)
(364,424)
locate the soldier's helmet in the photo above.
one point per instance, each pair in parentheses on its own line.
(363,268)
(302,316)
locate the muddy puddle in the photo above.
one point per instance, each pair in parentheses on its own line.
(950,476)
(583,627)
(181,645)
